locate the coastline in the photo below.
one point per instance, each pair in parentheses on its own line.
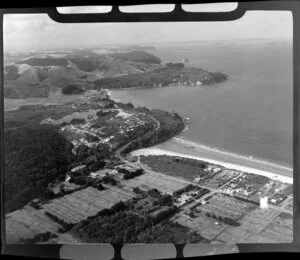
(178,146)
(156,150)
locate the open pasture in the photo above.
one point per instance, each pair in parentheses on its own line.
(26,223)
(151,180)
(280,230)
(81,204)
(225,206)
(252,224)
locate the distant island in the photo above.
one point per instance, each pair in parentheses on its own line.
(37,75)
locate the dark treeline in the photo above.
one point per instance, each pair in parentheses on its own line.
(33,158)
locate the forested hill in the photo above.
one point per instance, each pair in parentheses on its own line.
(171,73)
(138,56)
(33,158)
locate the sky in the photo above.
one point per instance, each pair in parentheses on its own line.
(32,32)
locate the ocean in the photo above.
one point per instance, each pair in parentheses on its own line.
(249,115)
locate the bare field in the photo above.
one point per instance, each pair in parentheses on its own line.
(151,180)
(202,224)
(26,223)
(81,204)
(225,206)
(253,223)
(280,230)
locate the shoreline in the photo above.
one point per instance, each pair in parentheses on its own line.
(158,151)
(178,146)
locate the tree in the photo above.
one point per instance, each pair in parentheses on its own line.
(81,152)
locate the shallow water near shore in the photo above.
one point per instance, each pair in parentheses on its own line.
(249,116)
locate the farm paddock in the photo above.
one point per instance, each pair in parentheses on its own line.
(253,223)
(72,208)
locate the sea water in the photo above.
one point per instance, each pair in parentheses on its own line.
(250,114)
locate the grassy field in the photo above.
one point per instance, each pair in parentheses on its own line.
(280,230)
(185,168)
(219,205)
(252,224)
(256,225)
(81,204)
(152,180)
(225,206)
(26,223)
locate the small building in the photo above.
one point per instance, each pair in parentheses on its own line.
(93,175)
(78,168)
(264,202)
(67,178)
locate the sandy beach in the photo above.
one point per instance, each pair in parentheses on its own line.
(184,148)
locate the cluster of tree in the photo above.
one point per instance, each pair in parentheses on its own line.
(119,228)
(100,152)
(101,113)
(50,195)
(225,220)
(119,224)
(107,103)
(164,200)
(169,232)
(256,203)
(34,157)
(131,175)
(109,180)
(166,213)
(137,56)
(175,65)
(138,191)
(125,106)
(65,225)
(84,64)
(72,89)
(34,205)
(91,138)
(184,189)
(42,237)
(77,121)
(49,61)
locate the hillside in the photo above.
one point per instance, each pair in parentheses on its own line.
(169,74)
(36,75)
(139,56)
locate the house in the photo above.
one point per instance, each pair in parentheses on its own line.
(67,178)
(78,168)
(93,175)
(197,179)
